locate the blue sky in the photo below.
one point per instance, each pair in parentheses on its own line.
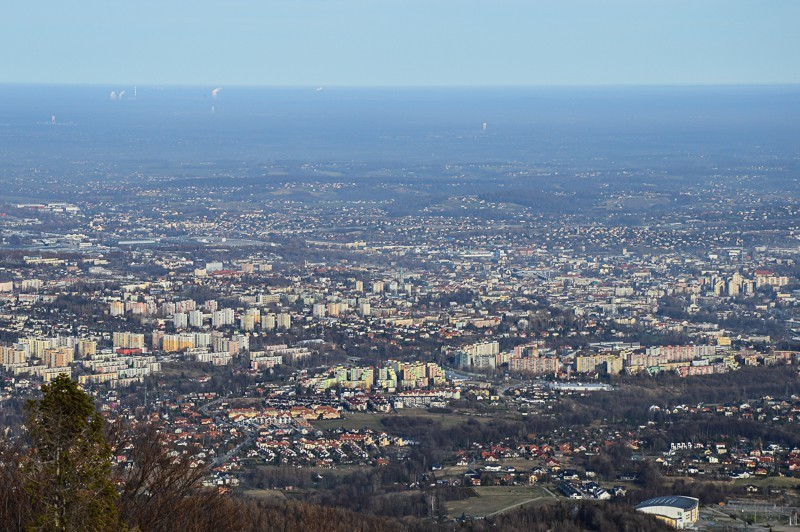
(400,42)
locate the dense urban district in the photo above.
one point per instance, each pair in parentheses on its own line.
(431,346)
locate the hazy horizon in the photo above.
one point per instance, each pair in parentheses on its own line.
(577,128)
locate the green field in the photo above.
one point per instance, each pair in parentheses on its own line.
(774,482)
(496,499)
(362,420)
(352,421)
(264,494)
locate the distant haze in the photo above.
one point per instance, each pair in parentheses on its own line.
(571,129)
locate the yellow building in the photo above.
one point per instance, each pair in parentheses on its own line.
(172,343)
(127,340)
(610,363)
(58,357)
(87,348)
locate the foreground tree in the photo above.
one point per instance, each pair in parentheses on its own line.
(58,475)
(68,472)
(161,490)
(15,508)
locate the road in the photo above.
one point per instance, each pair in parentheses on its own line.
(511,507)
(227,456)
(204,409)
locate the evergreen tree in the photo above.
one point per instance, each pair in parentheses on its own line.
(69,472)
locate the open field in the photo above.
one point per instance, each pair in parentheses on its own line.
(496,499)
(352,421)
(362,420)
(264,494)
(447,421)
(774,482)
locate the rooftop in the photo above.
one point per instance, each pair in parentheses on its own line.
(677,501)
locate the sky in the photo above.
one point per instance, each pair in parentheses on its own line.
(400,42)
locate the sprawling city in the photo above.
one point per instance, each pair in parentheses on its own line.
(400,265)
(325,334)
